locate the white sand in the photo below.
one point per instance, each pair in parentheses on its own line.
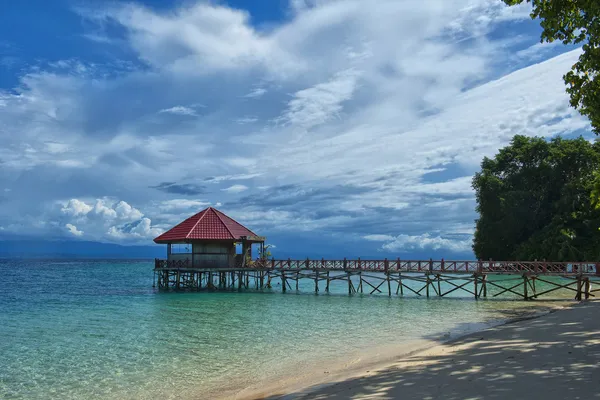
(554,356)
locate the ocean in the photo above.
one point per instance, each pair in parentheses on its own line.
(99,330)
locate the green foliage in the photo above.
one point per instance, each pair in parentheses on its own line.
(575,22)
(264,255)
(534,201)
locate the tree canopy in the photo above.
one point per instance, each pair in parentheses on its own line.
(575,22)
(534,202)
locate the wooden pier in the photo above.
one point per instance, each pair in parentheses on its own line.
(526,280)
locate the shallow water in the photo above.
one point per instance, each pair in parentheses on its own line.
(97,329)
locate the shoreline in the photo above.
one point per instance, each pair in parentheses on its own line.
(374,359)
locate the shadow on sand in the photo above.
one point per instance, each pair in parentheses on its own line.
(556,356)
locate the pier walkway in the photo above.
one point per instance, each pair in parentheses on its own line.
(523,279)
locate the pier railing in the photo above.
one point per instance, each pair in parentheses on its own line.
(398,265)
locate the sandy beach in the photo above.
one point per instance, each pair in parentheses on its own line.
(552,356)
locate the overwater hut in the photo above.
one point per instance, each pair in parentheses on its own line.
(209,239)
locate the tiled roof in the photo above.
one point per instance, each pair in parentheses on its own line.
(208,224)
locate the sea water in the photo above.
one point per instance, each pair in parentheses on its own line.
(98,330)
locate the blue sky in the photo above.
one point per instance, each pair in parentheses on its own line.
(332,127)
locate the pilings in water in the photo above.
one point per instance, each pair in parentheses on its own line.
(425,282)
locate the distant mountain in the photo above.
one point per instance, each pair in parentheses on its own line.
(28,247)
(31,248)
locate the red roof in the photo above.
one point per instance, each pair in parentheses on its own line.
(208,224)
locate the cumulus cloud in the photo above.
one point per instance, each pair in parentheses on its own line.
(107,219)
(141,229)
(76,208)
(73,230)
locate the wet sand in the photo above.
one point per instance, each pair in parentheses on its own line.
(552,356)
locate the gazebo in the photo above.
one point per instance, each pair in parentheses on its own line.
(208,239)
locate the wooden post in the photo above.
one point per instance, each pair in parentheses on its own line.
(400,288)
(427,284)
(262,279)
(360,285)
(283,281)
(349,282)
(316,281)
(587,288)
(475,277)
(177,281)
(437,276)
(387,276)
(327,287)
(297,280)
(525,287)
(579,285)
(484,283)
(240,279)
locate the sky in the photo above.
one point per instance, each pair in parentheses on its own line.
(333,127)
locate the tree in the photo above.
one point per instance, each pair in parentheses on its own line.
(575,22)
(533,200)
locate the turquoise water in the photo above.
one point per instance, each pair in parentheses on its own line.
(97,329)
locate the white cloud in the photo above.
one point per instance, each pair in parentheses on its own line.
(407,243)
(318,104)
(142,229)
(182,204)
(235,189)
(256,93)
(76,208)
(73,230)
(246,120)
(126,212)
(196,39)
(378,238)
(180,110)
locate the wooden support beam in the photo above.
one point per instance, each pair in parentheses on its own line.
(283,281)
(587,288)
(360,285)
(400,285)
(349,281)
(484,283)
(457,287)
(327,287)
(177,281)
(475,277)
